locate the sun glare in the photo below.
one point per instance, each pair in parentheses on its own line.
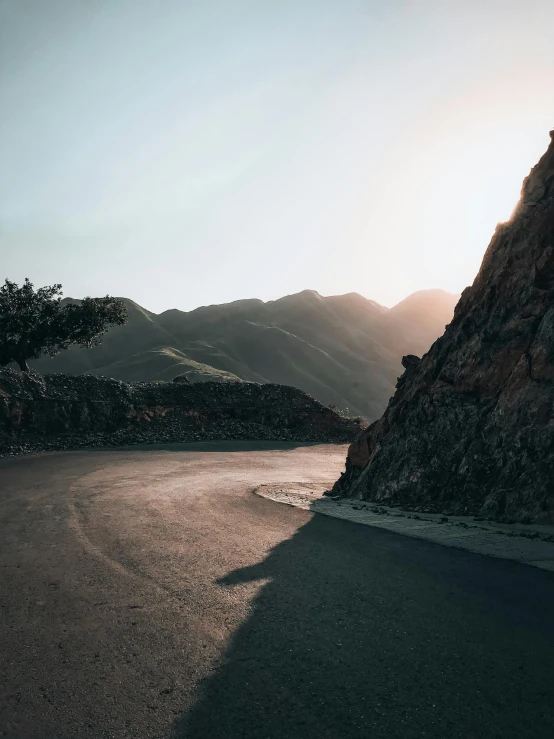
(438,204)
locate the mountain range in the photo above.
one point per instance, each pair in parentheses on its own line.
(344,350)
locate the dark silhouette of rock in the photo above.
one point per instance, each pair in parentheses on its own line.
(410,361)
(471,426)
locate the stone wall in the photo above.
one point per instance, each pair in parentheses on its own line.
(59,411)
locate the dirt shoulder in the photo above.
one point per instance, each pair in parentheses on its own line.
(530,544)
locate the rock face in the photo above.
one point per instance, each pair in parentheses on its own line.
(470,428)
(63,412)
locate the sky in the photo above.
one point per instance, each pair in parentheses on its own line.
(185,153)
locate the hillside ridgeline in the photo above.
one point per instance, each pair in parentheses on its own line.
(344,350)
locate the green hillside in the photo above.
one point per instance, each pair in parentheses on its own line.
(164,363)
(343,349)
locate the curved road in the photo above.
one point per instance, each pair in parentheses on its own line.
(149,593)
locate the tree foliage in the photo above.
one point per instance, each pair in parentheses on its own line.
(34,322)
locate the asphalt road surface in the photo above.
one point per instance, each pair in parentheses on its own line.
(150,593)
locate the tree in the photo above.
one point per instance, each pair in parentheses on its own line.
(34,322)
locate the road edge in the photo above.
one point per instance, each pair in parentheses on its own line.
(530,545)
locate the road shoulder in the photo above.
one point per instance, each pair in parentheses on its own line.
(529,544)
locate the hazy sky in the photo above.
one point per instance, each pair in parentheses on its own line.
(185,152)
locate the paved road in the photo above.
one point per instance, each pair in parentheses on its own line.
(151,594)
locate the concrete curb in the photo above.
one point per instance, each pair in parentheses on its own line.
(528,544)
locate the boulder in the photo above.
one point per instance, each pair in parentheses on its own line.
(181,378)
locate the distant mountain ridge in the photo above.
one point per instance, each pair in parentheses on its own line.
(344,349)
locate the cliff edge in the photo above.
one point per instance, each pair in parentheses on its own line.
(470,428)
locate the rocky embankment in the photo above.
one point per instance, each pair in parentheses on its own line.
(62,412)
(470,428)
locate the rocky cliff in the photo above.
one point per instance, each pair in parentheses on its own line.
(63,412)
(470,428)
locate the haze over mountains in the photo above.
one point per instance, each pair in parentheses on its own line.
(343,349)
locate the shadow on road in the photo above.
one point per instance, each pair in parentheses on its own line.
(363,633)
